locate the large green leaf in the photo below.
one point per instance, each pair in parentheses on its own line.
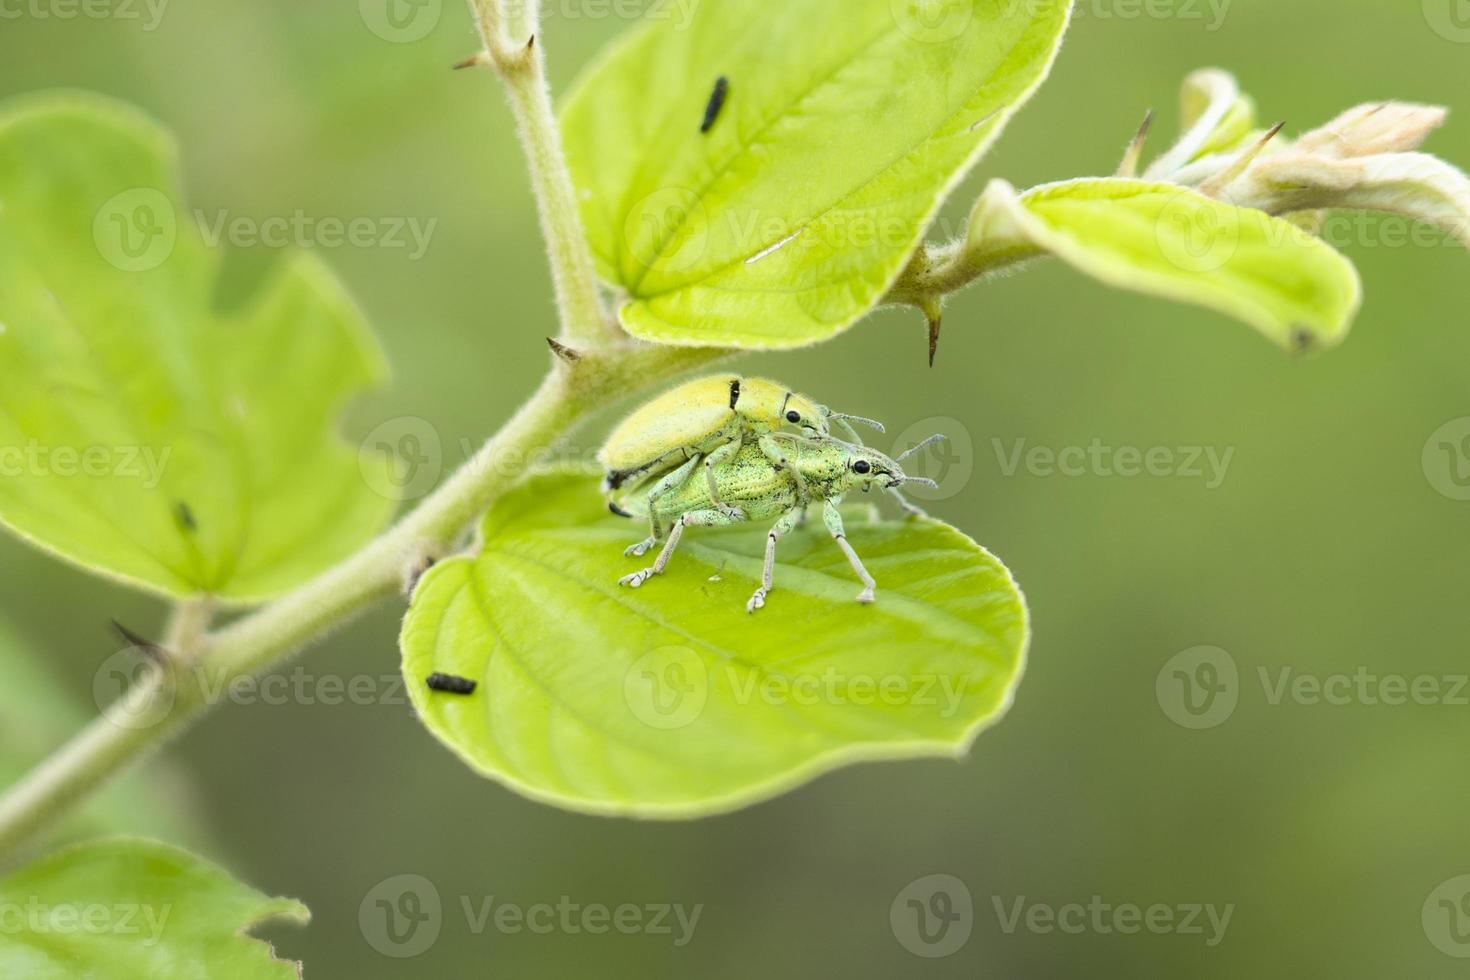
(143,434)
(1169,241)
(845,125)
(127,909)
(37,716)
(672,701)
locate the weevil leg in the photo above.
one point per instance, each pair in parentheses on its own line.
(772,448)
(704,518)
(780,529)
(663,486)
(833,518)
(909,507)
(719,457)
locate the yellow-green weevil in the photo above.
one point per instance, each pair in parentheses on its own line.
(762,490)
(710,419)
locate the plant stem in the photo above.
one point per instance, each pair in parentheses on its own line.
(607,366)
(173,696)
(521,65)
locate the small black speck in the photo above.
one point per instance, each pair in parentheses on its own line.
(450,684)
(186,517)
(716,103)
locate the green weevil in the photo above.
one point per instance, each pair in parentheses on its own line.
(762,490)
(710,419)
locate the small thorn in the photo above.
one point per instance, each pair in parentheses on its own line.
(531,44)
(934,313)
(564,352)
(1302,340)
(147,647)
(1134,154)
(473,61)
(1230,174)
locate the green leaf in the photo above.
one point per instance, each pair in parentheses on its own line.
(846,124)
(38,716)
(1172,242)
(671,701)
(134,908)
(143,434)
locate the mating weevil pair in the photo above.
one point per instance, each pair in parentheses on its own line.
(740,430)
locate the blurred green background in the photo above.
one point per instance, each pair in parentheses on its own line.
(1325,550)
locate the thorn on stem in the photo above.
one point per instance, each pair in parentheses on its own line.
(1218,183)
(934,314)
(565,353)
(1133,156)
(144,646)
(473,61)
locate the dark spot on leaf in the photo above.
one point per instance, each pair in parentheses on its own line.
(450,684)
(716,103)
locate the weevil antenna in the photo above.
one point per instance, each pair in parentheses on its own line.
(844,417)
(927,442)
(920,479)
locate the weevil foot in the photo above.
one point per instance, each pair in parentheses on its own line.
(637,578)
(867,597)
(640,549)
(757,601)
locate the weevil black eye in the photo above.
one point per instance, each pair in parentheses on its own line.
(862,467)
(793,417)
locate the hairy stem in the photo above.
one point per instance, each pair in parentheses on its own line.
(521,64)
(201,667)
